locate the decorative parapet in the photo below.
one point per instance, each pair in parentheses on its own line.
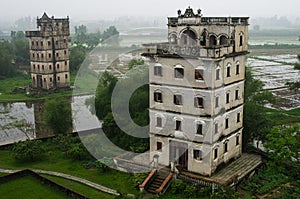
(166,49)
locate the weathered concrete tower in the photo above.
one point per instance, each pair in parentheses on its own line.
(196,91)
(49,53)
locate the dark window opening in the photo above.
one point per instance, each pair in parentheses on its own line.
(179,72)
(158,97)
(237,140)
(198,102)
(66,63)
(212,41)
(158,70)
(238,117)
(241,40)
(199,74)
(66,76)
(50,79)
(42,55)
(50,67)
(216,128)
(42,44)
(197,155)
(57,66)
(57,54)
(217,74)
(227,123)
(215,153)
(43,67)
(199,129)
(217,102)
(237,70)
(44,79)
(236,94)
(177,99)
(49,55)
(34,66)
(158,146)
(65,52)
(178,125)
(228,71)
(227,98)
(49,43)
(58,78)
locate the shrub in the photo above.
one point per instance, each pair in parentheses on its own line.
(28,151)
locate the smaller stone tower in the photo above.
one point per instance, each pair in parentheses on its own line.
(49,53)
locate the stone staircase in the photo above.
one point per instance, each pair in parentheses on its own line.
(160,182)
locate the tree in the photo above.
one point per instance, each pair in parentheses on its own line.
(283,144)
(29,150)
(110,36)
(58,115)
(135,62)
(20,47)
(7,68)
(255,99)
(77,56)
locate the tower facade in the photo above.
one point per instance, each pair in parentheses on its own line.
(196,91)
(49,53)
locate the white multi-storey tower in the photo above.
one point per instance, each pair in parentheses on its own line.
(49,53)
(196,91)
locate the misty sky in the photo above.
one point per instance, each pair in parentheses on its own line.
(99,9)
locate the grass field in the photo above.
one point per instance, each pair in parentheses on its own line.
(79,188)
(120,181)
(28,187)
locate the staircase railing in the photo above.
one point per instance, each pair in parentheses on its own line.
(165,185)
(148,180)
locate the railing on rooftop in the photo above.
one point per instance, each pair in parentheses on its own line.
(189,51)
(208,20)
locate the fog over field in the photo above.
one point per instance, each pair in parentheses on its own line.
(95,9)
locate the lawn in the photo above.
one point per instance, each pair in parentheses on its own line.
(29,187)
(120,181)
(79,188)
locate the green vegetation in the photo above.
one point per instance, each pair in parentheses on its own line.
(79,188)
(138,107)
(109,37)
(58,159)
(28,187)
(28,151)
(58,115)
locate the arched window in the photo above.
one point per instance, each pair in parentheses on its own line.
(228,70)
(212,40)
(223,40)
(237,68)
(158,69)
(173,39)
(241,38)
(203,38)
(189,37)
(179,71)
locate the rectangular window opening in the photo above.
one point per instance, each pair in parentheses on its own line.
(178,125)
(177,99)
(179,73)
(198,74)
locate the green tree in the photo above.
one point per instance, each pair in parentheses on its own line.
(255,100)
(28,151)
(7,68)
(58,115)
(20,47)
(110,36)
(135,62)
(283,144)
(77,56)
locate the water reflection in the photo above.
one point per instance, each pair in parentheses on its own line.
(25,120)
